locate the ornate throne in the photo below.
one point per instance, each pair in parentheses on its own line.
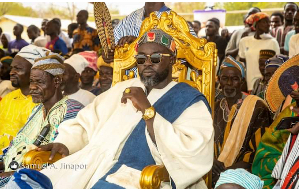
(201,58)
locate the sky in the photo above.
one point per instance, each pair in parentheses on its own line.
(124,8)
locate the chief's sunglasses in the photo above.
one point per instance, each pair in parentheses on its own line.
(154,58)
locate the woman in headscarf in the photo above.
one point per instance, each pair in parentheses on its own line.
(5,39)
(284,82)
(250,46)
(238,179)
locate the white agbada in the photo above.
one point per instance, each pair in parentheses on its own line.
(95,139)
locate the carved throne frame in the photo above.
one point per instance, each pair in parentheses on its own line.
(200,54)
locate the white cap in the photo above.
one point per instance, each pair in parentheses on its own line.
(78,62)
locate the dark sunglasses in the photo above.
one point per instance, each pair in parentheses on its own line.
(154,58)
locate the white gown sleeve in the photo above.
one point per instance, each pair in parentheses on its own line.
(76,133)
(185,147)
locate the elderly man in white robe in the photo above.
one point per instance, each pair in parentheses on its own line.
(139,122)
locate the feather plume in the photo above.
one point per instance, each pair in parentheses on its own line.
(104,26)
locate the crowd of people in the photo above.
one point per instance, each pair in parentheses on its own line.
(56,95)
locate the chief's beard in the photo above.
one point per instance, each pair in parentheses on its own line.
(151,81)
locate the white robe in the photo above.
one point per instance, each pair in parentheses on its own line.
(95,139)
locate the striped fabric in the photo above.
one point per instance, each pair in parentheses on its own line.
(253,145)
(241,177)
(286,163)
(4,181)
(73,108)
(130,26)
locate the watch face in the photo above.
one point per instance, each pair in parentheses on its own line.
(149,113)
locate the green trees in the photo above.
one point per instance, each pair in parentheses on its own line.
(14,8)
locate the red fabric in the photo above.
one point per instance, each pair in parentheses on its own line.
(50,45)
(289,176)
(252,19)
(91,57)
(294,137)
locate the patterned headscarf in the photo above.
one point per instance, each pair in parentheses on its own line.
(276,61)
(241,177)
(32,52)
(51,63)
(7,59)
(229,61)
(91,57)
(254,18)
(160,37)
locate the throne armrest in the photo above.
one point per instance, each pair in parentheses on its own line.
(36,159)
(152,176)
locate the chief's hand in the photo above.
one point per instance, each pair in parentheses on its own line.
(54,148)
(126,39)
(110,56)
(137,97)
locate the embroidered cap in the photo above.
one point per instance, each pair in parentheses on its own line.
(158,36)
(51,63)
(7,59)
(276,61)
(266,54)
(229,61)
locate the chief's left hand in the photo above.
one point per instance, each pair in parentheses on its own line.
(137,97)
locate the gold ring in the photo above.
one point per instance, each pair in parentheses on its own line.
(127,90)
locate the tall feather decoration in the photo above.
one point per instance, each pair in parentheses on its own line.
(104,26)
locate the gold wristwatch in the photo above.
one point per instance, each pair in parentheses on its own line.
(149,113)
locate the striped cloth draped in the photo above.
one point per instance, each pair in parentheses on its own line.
(270,149)
(286,170)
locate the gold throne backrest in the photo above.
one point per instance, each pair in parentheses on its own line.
(199,53)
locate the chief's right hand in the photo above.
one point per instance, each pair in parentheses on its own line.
(126,40)
(109,57)
(54,148)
